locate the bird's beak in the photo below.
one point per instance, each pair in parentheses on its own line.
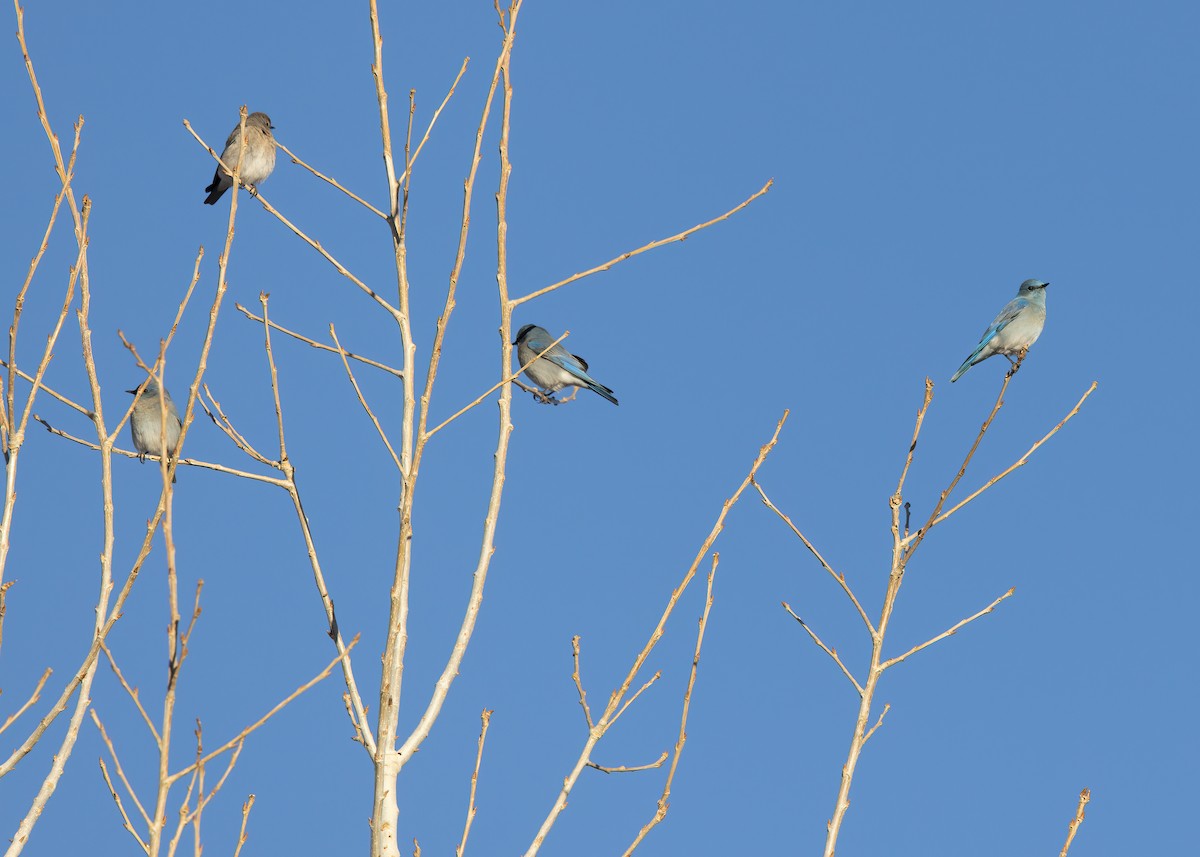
(1044,285)
(131,392)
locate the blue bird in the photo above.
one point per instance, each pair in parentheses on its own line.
(1017,327)
(557,368)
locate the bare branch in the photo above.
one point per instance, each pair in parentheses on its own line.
(653,245)
(840,579)
(947,633)
(587,712)
(1073,827)
(486,718)
(319,345)
(37,691)
(631,769)
(1020,462)
(296,160)
(831,652)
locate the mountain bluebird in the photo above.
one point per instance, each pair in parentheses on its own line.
(1016,328)
(146,423)
(260,156)
(557,368)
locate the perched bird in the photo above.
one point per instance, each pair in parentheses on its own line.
(557,368)
(146,424)
(1016,328)
(259,161)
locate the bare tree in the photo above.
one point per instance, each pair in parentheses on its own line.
(145,816)
(905,543)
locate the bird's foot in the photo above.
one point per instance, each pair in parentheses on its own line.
(543,398)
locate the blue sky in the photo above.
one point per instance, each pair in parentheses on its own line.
(926,161)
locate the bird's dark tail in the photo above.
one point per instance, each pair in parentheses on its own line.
(215,191)
(603,391)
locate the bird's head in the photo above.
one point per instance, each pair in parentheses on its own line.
(523,332)
(260,120)
(1030,286)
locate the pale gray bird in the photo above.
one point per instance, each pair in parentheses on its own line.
(146,423)
(260,156)
(1017,327)
(557,368)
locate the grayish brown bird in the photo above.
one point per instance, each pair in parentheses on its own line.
(259,158)
(146,423)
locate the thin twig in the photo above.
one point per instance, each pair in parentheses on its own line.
(839,578)
(486,718)
(319,345)
(132,691)
(631,769)
(826,649)
(362,400)
(296,160)
(1073,827)
(494,387)
(37,691)
(887,706)
(680,236)
(246,807)
(664,800)
(948,632)
(112,751)
(1020,462)
(241,736)
(587,712)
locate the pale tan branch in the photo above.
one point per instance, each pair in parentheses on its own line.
(241,736)
(434,118)
(246,807)
(362,400)
(887,706)
(587,712)
(217,414)
(127,824)
(657,675)
(1020,462)
(112,751)
(493,388)
(37,691)
(193,462)
(948,632)
(133,693)
(319,345)
(485,718)
(840,579)
(912,446)
(680,236)
(1073,827)
(826,649)
(664,799)
(263,298)
(631,769)
(606,719)
(25,376)
(296,160)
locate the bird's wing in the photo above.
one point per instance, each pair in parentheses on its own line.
(1005,318)
(559,356)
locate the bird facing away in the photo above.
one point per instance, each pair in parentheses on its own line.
(259,160)
(146,423)
(1017,327)
(557,368)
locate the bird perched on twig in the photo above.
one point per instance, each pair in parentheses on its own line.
(259,158)
(557,368)
(146,423)
(1017,327)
